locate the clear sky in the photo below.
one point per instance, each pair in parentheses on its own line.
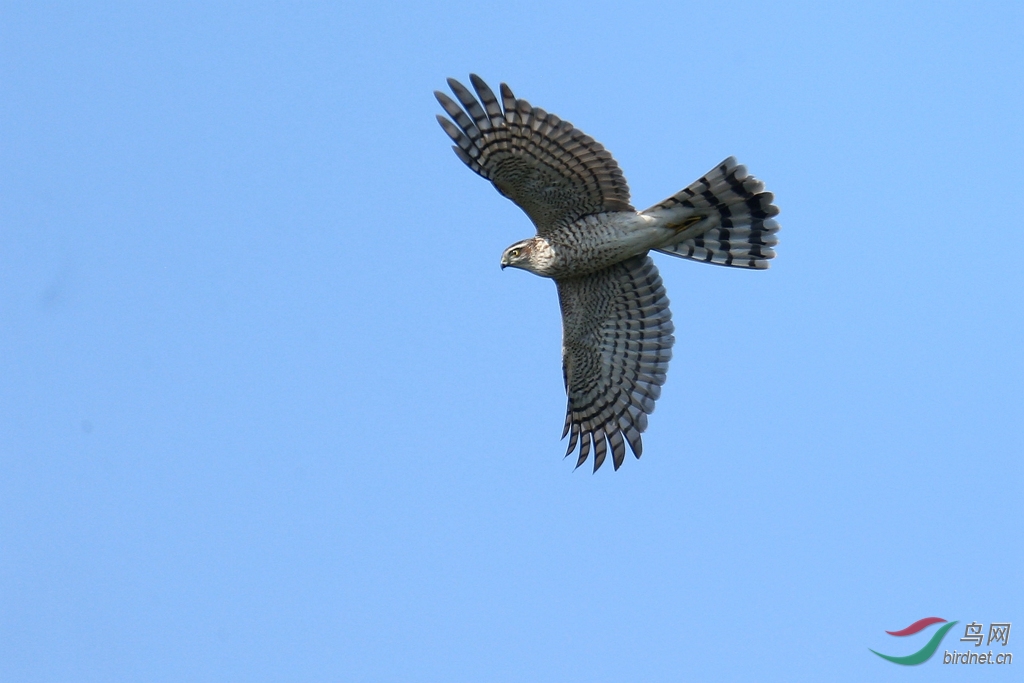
(269,410)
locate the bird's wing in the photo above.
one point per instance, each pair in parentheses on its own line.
(552,171)
(616,344)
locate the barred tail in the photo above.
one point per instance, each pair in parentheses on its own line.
(724,218)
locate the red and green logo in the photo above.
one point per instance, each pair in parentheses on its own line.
(930,647)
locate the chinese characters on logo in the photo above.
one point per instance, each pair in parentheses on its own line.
(973,633)
(998,632)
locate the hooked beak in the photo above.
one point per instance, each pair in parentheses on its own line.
(503,262)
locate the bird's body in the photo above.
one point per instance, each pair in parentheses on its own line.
(594,242)
(616,325)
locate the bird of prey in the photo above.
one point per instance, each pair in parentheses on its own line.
(616,325)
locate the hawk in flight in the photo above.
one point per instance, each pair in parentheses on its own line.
(616,326)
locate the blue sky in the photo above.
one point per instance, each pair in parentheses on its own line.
(270,411)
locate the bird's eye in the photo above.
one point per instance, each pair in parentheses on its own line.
(514,253)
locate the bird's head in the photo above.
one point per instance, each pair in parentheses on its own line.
(518,255)
(533,255)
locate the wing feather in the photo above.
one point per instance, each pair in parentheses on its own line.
(616,345)
(551,170)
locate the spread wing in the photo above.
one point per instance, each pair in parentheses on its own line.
(553,172)
(616,344)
